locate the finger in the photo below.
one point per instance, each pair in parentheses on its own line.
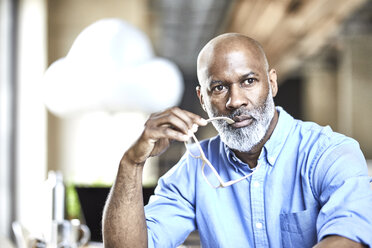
(178,119)
(189,117)
(197,119)
(175,117)
(166,132)
(182,114)
(178,123)
(169,120)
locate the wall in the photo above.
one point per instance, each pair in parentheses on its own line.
(355,90)
(338,89)
(31,115)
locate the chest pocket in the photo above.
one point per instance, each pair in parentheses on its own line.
(299,229)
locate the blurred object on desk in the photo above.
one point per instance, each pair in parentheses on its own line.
(6,243)
(55,203)
(69,233)
(94,245)
(24,239)
(57,185)
(21,234)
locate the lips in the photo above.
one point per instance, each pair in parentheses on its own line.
(242,121)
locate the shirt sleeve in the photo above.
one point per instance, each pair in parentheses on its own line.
(342,185)
(170,214)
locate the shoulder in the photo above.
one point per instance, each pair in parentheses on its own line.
(332,158)
(306,136)
(321,138)
(323,145)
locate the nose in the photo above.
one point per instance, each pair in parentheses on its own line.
(237,98)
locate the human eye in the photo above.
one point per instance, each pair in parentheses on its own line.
(249,81)
(218,88)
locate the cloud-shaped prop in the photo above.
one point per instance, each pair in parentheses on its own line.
(111,67)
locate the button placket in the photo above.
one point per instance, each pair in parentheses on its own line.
(258,207)
(259,225)
(256,184)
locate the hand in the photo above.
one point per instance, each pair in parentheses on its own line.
(160,129)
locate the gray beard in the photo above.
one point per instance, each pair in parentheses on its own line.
(245,138)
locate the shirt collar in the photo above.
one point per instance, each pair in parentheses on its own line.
(232,158)
(277,139)
(275,143)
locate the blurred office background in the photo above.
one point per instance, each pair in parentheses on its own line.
(321,49)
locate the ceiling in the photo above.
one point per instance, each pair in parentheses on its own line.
(289,30)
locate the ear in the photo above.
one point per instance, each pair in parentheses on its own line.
(200,96)
(273,82)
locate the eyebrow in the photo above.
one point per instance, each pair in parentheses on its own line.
(213,82)
(248,75)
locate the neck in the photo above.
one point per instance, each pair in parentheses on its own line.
(251,157)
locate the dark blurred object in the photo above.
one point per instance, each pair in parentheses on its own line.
(289,96)
(38,243)
(92,201)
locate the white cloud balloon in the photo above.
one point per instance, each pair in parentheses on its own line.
(111,67)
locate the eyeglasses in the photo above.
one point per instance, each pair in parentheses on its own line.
(202,156)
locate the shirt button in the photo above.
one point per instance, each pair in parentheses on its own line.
(259,225)
(256,184)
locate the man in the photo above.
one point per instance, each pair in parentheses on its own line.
(305,185)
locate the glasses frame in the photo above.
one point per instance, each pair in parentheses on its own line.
(205,160)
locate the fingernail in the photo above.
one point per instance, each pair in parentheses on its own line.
(194,128)
(190,133)
(203,121)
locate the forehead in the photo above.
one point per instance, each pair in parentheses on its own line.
(229,62)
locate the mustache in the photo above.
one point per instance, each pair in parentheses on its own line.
(254,113)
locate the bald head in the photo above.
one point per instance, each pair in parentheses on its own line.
(224,45)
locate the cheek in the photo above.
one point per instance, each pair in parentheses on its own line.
(215,106)
(212,100)
(218,103)
(260,95)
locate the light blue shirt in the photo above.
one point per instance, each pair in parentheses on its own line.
(312,182)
